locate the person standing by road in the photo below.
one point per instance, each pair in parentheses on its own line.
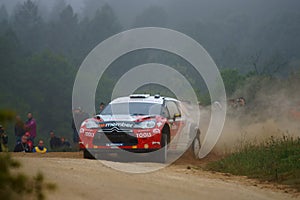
(3,140)
(101,107)
(31,126)
(55,142)
(19,129)
(65,145)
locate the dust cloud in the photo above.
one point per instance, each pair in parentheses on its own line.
(272,110)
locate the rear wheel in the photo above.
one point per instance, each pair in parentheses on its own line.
(196,146)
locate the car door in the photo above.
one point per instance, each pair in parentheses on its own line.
(175,119)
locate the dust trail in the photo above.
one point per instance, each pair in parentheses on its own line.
(272,109)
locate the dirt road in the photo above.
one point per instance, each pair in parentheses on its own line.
(89,179)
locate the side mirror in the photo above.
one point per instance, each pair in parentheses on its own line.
(176,115)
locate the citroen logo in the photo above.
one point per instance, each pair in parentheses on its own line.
(115,129)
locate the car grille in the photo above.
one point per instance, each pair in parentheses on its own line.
(115,136)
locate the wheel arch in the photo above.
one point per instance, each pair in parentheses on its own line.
(166,130)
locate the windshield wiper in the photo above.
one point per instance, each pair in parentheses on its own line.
(135,114)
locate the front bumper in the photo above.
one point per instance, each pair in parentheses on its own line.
(119,150)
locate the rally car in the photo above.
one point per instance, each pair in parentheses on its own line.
(139,123)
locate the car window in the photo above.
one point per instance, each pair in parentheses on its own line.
(165,113)
(132,108)
(172,108)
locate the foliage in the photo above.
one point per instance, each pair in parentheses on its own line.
(232,80)
(153,16)
(40,53)
(276,160)
(6,115)
(16,185)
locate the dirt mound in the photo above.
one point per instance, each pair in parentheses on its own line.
(74,155)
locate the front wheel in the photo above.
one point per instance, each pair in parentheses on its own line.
(87,154)
(161,155)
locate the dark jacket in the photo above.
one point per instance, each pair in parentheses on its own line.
(3,139)
(19,129)
(22,147)
(65,146)
(55,143)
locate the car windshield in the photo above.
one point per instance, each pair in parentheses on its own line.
(132,108)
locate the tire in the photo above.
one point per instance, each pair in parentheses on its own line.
(87,154)
(196,146)
(160,156)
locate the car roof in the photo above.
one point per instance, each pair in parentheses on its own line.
(137,98)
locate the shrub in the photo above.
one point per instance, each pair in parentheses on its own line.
(16,185)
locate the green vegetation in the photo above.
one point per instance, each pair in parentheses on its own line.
(42,45)
(274,160)
(6,115)
(16,185)
(232,80)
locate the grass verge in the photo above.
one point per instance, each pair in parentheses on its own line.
(274,160)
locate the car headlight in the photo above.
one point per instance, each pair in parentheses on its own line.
(145,124)
(91,124)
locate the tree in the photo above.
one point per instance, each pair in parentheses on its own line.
(100,27)
(3,14)
(50,98)
(58,7)
(9,44)
(268,66)
(153,16)
(90,7)
(64,34)
(232,80)
(28,26)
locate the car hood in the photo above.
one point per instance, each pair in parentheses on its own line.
(125,118)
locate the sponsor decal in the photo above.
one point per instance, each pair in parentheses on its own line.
(144,135)
(156,131)
(114,144)
(118,124)
(89,134)
(159,124)
(81,130)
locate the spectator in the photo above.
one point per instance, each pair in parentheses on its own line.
(101,107)
(23,146)
(78,117)
(241,101)
(31,126)
(29,142)
(65,145)
(19,129)
(40,148)
(55,142)
(3,140)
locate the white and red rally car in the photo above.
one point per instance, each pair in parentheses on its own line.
(139,123)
